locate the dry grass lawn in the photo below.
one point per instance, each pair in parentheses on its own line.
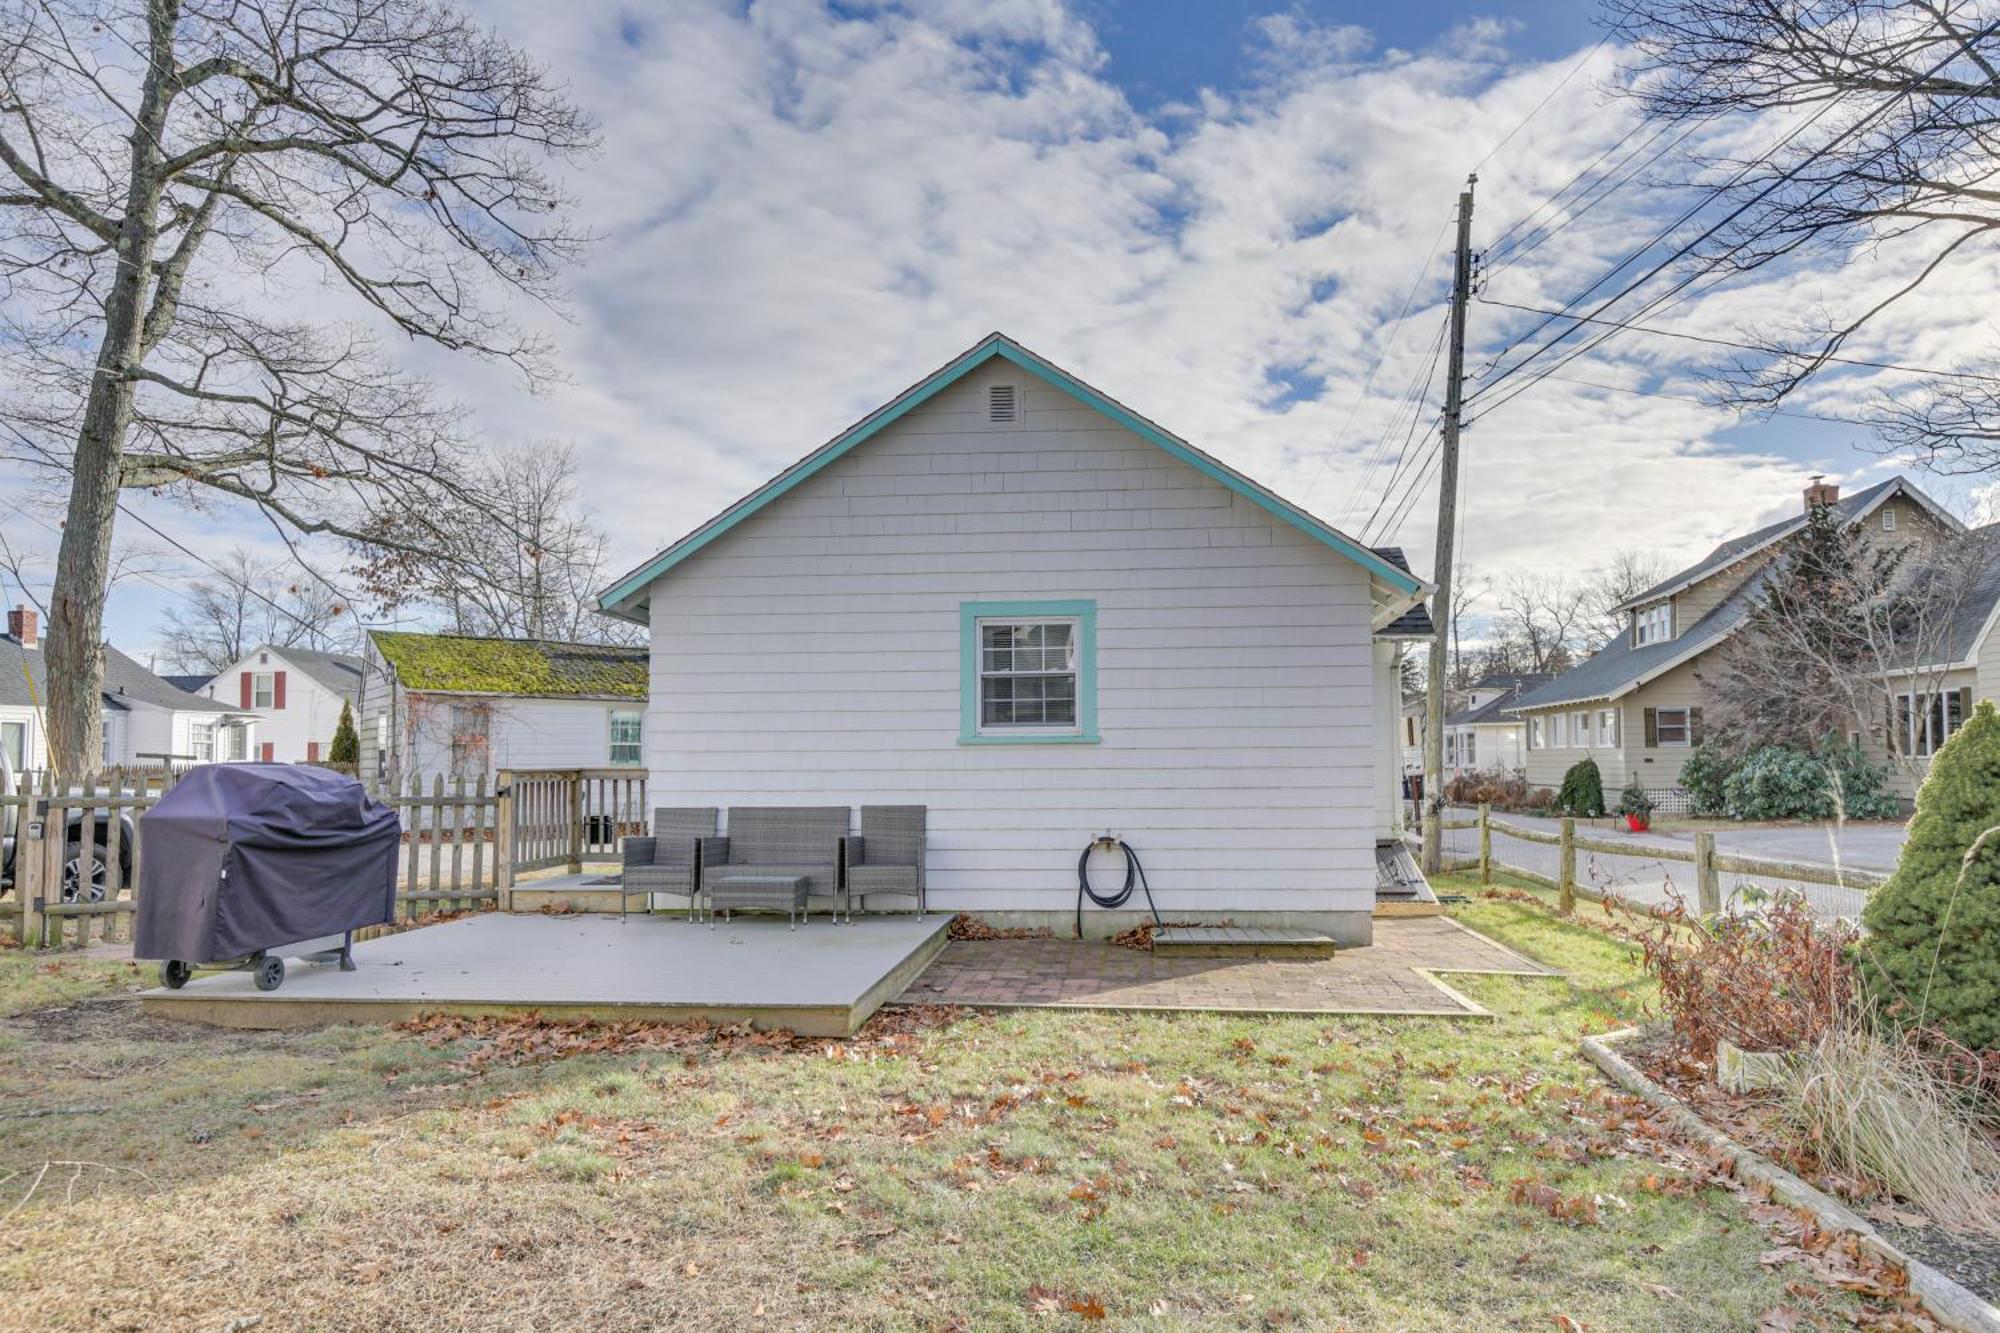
(1021,1170)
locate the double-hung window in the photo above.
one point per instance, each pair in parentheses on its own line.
(14,740)
(1030,671)
(263,691)
(1582,725)
(1653,624)
(627,735)
(1673,726)
(1607,727)
(1924,721)
(201,742)
(1535,734)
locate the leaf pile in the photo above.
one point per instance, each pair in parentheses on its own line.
(965,926)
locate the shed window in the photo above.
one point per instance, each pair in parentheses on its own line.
(1888,518)
(1027,674)
(627,732)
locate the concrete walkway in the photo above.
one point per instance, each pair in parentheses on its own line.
(1398,974)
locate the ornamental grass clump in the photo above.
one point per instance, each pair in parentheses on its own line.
(1869,1103)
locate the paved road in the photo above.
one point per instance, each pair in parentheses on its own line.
(1647,878)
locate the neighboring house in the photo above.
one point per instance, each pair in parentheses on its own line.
(1637,706)
(297,692)
(1484,736)
(1011,599)
(191,684)
(467,707)
(146,720)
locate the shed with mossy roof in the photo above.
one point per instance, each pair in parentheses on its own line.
(469,705)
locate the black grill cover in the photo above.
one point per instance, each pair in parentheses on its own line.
(242,857)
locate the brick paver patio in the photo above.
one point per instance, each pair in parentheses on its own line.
(1395,975)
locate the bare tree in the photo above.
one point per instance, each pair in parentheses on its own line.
(1469,587)
(539,558)
(202,202)
(1891,109)
(1628,574)
(1542,618)
(247,604)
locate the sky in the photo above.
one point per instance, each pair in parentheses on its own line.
(1232,216)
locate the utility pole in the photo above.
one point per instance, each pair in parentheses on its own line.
(1461,290)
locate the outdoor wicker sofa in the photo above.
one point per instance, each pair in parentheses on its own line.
(767,843)
(670,861)
(886,857)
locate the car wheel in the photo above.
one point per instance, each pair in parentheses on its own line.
(85,873)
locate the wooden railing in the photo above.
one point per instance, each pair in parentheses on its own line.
(463,842)
(1709,864)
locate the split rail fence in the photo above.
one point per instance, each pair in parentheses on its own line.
(80,845)
(1832,891)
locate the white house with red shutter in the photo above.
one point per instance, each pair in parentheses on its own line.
(296,694)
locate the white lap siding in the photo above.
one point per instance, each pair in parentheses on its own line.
(812,656)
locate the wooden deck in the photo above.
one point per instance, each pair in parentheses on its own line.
(821,980)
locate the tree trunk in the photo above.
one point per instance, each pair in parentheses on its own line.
(75,715)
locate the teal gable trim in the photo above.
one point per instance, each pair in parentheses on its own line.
(626,598)
(969,616)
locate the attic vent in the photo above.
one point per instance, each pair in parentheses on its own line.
(1000,403)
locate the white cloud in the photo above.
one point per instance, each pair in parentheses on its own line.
(803,211)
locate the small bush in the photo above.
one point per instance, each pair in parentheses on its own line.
(1872,1105)
(346,747)
(1702,775)
(1781,782)
(1582,790)
(1931,955)
(1503,791)
(1774,980)
(1539,801)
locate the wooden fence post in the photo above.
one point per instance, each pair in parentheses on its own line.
(1566,868)
(31,865)
(576,823)
(1485,843)
(503,839)
(1707,883)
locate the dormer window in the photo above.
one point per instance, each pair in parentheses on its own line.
(1653,624)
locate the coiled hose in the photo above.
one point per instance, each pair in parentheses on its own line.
(1134,873)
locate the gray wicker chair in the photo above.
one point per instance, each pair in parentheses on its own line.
(670,861)
(887,856)
(778,840)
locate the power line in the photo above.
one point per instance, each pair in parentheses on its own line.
(1699,402)
(1747,347)
(1410,403)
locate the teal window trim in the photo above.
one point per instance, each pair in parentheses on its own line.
(1084,612)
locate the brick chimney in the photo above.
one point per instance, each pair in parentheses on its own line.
(21,623)
(1821,492)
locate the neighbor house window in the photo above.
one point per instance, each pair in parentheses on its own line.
(1583,730)
(1924,721)
(263,693)
(1888,518)
(1653,624)
(1535,734)
(627,729)
(1673,726)
(1559,730)
(1029,671)
(235,742)
(1468,749)
(14,740)
(201,741)
(1607,727)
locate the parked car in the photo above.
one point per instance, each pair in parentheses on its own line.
(86,870)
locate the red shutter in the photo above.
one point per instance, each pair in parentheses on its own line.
(277,689)
(270,751)
(312,752)
(246,682)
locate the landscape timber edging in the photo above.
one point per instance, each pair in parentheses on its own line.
(1947,1302)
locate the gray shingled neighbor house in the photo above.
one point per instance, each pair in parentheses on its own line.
(146,720)
(1637,706)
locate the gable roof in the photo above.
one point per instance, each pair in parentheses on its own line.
(24,682)
(1849,509)
(526,668)
(338,672)
(626,598)
(192,684)
(1512,685)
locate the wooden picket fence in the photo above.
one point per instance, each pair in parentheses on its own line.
(463,842)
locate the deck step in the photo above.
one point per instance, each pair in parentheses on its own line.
(1242,942)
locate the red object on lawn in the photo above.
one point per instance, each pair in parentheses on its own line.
(1637,823)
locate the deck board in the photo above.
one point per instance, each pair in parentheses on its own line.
(821,979)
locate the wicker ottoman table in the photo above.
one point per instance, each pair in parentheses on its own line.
(755,892)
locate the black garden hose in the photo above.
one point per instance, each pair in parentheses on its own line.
(1134,873)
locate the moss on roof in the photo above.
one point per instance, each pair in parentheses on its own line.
(540,668)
